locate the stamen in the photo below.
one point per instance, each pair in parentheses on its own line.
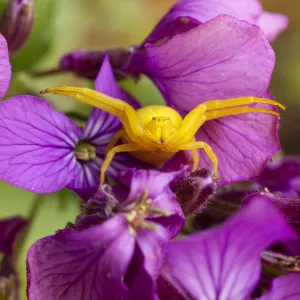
(85,151)
(283,262)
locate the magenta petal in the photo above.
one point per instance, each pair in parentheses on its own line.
(36,145)
(231,58)
(9,230)
(224,262)
(86,265)
(272,24)
(284,288)
(106,83)
(243,144)
(146,264)
(5,67)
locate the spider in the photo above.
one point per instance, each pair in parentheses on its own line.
(153,134)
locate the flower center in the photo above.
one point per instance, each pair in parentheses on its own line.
(136,215)
(85,151)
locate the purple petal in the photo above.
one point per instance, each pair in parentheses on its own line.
(170,26)
(5,67)
(168,287)
(146,264)
(224,262)
(243,144)
(195,12)
(284,288)
(152,244)
(272,24)
(36,145)
(86,265)
(9,230)
(106,83)
(231,58)
(283,176)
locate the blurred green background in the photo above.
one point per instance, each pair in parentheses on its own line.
(62,26)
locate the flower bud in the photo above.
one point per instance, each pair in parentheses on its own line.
(87,63)
(194,190)
(16,23)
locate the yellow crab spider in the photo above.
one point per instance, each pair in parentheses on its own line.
(153,134)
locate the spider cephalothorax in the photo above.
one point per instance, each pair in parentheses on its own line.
(160,130)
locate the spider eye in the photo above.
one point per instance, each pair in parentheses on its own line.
(153,118)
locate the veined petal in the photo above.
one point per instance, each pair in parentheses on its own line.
(224,262)
(106,83)
(146,264)
(36,145)
(86,265)
(9,230)
(243,144)
(282,175)
(194,12)
(272,24)
(231,58)
(284,288)
(5,67)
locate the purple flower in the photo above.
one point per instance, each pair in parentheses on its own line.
(43,151)
(281,176)
(290,209)
(115,258)
(188,13)
(222,58)
(10,230)
(16,23)
(224,262)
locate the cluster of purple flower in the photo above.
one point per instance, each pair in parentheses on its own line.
(124,244)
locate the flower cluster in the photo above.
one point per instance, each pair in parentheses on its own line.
(140,234)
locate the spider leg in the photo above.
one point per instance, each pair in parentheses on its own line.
(115,139)
(117,107)
(190,125)
(215,114)
(110,155)
(218,104)
(208,150)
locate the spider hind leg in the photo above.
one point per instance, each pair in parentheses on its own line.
(208,150)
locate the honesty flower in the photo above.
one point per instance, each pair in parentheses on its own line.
(230,59)
(281,176)
(224,262)
(43,151)
(10,230)
(222,58)
(115,249)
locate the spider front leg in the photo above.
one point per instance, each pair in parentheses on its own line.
(226,103)
(117,107)
(117,136)
(208,150)
(110,155)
